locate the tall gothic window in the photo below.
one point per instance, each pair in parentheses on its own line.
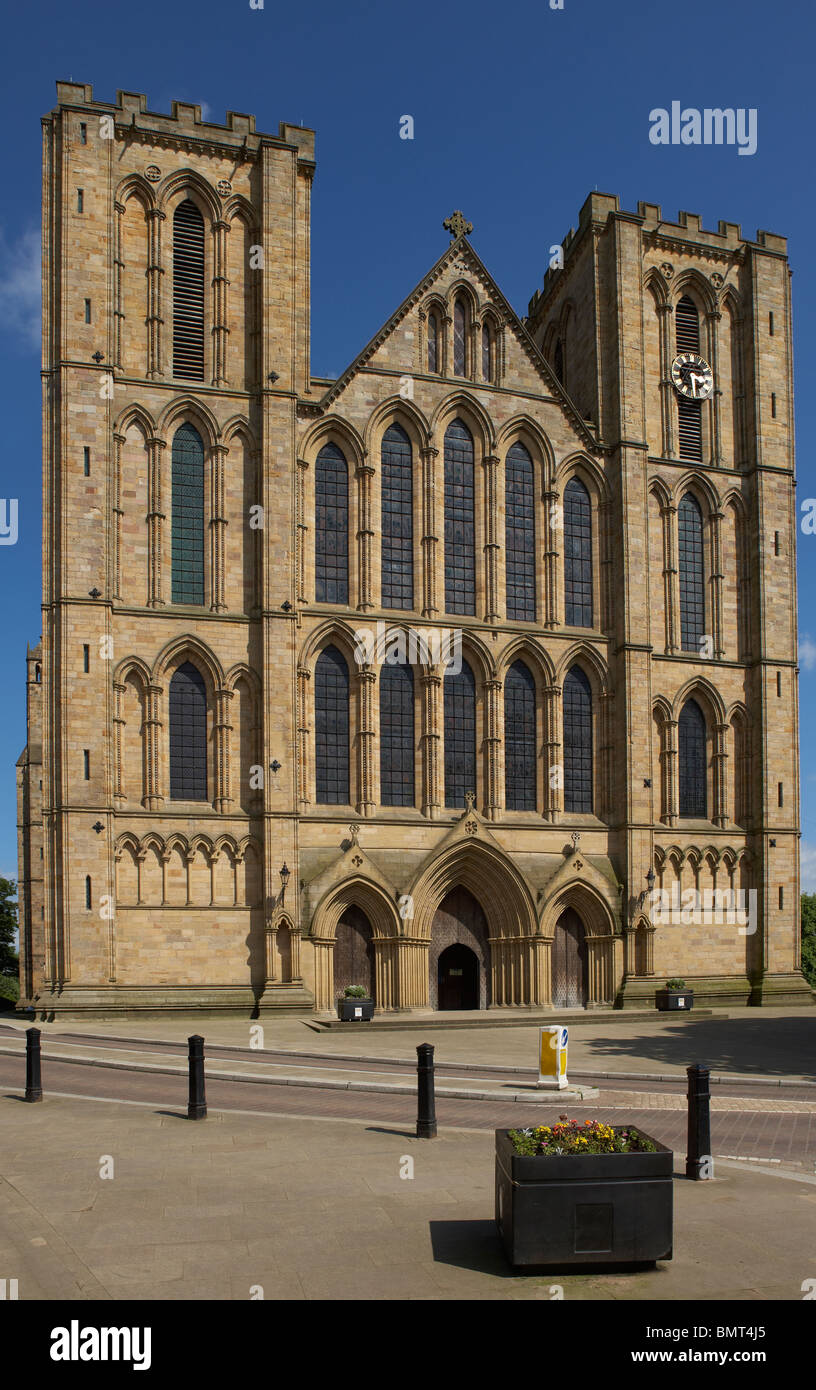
(577,741)
(188,735)
(433,343)
(397,520)
(460,320)
(691,750)
(331,526)
(188,292)
(519,511)
(692,600)
(577,555)
(519,739)
(689,413)
(187,521)
(460,536)
(486,352)
(460,735)
(331,728)
(396,735)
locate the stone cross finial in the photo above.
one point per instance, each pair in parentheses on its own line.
(576,840)
(355,830)
(457,226)
(470,798)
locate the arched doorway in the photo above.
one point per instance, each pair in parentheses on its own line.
(459,922)
(458,978)
(354,952)
(570,977)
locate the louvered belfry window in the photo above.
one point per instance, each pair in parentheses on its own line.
(188,292)
(691,750)
(577,741)
(187,526)
(396,735)
(460,735)
(460,536)
(690,555)
(519,739)
(188,735)
(332,728)
(577,555)
(331,526)
(397,520)
(519,510)
(689,413)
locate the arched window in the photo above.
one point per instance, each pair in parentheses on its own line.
(188,292)
(577,741)
(519,535)
(460,536)
(396,735)
(331,526)
(692,599)
(433,343)
(332,728)
(577,555)
(691,749)
(188,735)
(689,413)
(187,526)
(460,735)
(519,739)
(487,348)
(460,322)
(397,520)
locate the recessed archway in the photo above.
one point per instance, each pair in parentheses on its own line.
(459,922)
(570,972)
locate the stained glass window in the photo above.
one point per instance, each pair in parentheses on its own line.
(577,741)
(331,728)
(460,541)
(331,526)
(577,555)
(188,735)
(460,735)
(692,598)
(691,752)
(519,497)
(519,739)
(187,524)
(396,735)
(397,520)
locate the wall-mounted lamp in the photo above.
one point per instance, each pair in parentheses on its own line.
(285,875)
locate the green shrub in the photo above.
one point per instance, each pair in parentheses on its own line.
(809,938)
(675,984)
(356,992)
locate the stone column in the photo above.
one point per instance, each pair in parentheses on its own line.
(155,520)
(491,547)
(222,730)
(538,971)
(552,533)
(670,788)
(118,513)
(218,530)
(667,406)
(432,792)
(119,692)
(365,538)
(720,817)
(303,736)
(604,761)
(118,310)
(302,531)
(220,284)
(271,945)
(294,946)
(715,532)
(553,769)
(154,792)
(493,748)
(713,318)
(155,322)
(430,540)
(366,690)
(671,591)
(324,973)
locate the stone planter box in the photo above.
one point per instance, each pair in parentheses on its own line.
(674,999)
(355,1010)
(584,1209)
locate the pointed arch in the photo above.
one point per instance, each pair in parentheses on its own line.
(187,408)
(188,182)
(458,403)
(489,874)
(187,648)
(396,410)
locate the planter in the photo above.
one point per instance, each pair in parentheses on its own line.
(355,1010)
(674,999)
(584,1209)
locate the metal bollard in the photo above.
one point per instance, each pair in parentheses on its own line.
(426,1109)
(33,1090)
(197,1103)
(698,1156)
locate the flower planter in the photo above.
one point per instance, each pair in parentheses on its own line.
(576,1210)
(674,999)
(355,1010)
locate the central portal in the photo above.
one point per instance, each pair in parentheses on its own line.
(459,958)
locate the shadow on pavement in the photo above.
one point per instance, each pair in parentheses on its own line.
(766,1046)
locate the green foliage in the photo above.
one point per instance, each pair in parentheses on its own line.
(675,984)
(809,938)
(572,1137)
(9,962)
(356,992)
(9,990)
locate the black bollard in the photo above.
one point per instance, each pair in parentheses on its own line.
(426,1109)
(698,1157)
(33,1090)
(197,1103)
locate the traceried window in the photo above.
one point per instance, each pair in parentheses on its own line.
(433,343)
(577,555)
(396,735)
(487,352)
(519,739)
(188,292)
(690,555)
(460,321)
(460,735)
(331,526)
(188,735)
(577,741)
(187,520)
(331,728)
(519,511)
(691,751)
(689,413)
(460,536)
(397,520)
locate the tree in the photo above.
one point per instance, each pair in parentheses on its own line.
(809,938)
(9,960)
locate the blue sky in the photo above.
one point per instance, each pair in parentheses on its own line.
(519,111)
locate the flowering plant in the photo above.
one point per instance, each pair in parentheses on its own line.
(355,992)
(572,1137)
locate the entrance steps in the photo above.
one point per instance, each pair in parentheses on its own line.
(522,1017)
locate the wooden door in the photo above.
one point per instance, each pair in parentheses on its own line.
(569,962)
(354,952)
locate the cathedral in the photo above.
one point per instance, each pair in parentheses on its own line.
(470,676)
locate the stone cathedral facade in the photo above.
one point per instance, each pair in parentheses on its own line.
(444,677)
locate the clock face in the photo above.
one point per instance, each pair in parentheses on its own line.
(692,376)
